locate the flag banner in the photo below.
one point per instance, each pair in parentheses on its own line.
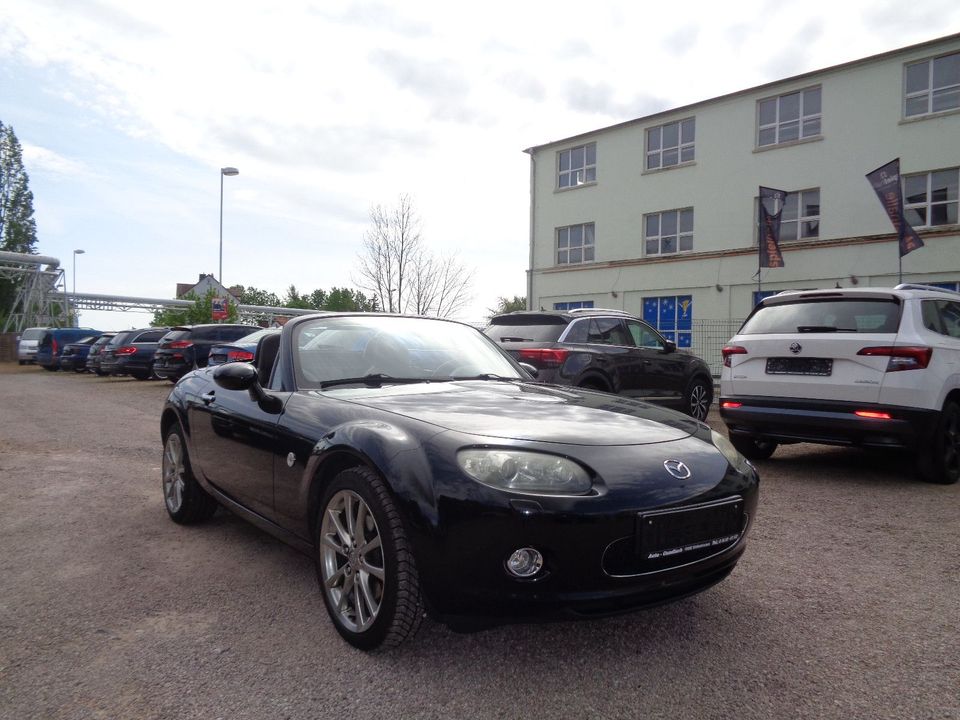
(218,308)
(886,184)
(770,255)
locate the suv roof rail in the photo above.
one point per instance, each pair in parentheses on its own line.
(575,311)
(918,286)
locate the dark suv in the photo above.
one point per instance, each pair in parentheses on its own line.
(606,350)
(187,347)
(131,352)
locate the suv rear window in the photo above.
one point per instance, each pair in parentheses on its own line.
(874,315)
(525,329)
(176,335)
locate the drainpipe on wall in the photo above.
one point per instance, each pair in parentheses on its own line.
(533,178)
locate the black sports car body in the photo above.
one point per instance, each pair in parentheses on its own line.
(427,474)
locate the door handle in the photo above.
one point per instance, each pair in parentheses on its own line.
(208,397)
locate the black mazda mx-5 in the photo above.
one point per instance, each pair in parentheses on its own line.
(426,474)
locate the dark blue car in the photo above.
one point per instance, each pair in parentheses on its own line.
(53,342)
(74,355)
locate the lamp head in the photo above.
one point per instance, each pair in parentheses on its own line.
(229,171)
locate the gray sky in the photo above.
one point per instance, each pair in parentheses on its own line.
(127,111)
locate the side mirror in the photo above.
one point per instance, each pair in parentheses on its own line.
(243,376)
(670,347)
(530,369)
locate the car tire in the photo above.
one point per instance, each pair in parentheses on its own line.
(187,503)
(50,368)
(373,556)
(939,461)
(698,398)
(753,448)
(141,375)
(593,384)
(22,362)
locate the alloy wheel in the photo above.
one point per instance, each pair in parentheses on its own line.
(173,473)
(699,401)
(352,562)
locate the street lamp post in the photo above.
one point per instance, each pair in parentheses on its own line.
(223,171)
(75,253)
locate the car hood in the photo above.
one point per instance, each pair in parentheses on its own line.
(526,411)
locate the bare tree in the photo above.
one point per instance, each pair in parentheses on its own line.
(402,273)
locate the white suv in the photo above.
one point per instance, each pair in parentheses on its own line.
(874,367)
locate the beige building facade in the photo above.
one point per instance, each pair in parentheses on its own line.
(658,216)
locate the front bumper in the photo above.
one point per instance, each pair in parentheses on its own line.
(790,420)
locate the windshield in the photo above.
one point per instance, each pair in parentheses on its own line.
(32,334)
(850,316)
(404,348)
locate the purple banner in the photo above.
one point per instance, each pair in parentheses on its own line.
(886,183)
(770,255)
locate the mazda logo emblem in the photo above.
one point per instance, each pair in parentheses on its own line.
(795,348)
(677,469)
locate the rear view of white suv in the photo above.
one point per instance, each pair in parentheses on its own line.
(873,367)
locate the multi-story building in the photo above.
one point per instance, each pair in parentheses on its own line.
(658,216)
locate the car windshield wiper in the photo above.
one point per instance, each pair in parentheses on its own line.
(823,329)
(485,376)
(372,380)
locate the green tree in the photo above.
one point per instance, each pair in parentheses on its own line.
(294,299)
(201,312)
(256,296)
(18,229)
(347,300)
(505,305)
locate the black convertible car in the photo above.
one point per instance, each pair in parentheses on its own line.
(427,474)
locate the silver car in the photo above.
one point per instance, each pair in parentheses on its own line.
(27,345)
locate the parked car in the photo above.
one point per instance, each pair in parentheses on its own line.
(187,347)
(74,355)
(873,367)
(606,350)
(27,342)
(424,472)
(131,352)
(93,357)
(52,342)
(241,350)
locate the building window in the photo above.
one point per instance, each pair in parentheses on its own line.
(671,144)
(930,199)
(932,85)
(672,316)
(575,244)
(573,305)
(666,233)
(789,117)
(801,215)
(577,166)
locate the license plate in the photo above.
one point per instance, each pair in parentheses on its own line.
(676,532)
(799,366)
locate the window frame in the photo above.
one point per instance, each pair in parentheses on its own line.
(802,119)
(677,235)
(801,218)
(929,203)
(680,146)
(585,174)
(929,91)
(583,246)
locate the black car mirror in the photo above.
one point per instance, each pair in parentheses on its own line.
(243,376)
(530,369)
(669,347)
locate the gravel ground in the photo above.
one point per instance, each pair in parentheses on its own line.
(845,604)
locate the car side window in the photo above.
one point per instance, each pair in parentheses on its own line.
(950,316)
(608,331)
(643,335)
(578,332)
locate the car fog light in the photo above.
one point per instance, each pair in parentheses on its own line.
(525,562)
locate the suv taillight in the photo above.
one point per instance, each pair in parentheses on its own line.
(125,350)
(901,358)
(239,356)
(544,357)
(732,350)
(180,344)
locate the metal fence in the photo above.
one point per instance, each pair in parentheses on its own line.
(708,339)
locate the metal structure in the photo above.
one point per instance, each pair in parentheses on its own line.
(41,298)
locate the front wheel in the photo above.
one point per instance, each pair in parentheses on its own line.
(365,564)
(186,502)
(698,398)
(753,448)
(939,462)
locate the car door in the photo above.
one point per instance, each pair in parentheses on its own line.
(614,347)
(663,374)
(235,441)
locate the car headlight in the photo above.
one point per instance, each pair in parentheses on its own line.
(523,471)
(733,456)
